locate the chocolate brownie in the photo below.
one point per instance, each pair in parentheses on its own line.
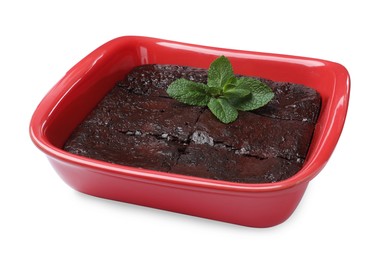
(221,163)
(138,125)
(263,137)
(292,102)
(153,79)
(137,150)
(127,112)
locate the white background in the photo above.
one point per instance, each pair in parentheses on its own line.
(345,211)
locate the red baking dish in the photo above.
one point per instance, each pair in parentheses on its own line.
(255,205)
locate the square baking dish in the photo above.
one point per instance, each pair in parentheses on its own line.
(255,205)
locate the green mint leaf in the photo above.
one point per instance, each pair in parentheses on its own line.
(223,110)
(213,91)
(236,93)
(224,94)
(231,83)
(220,73)
(260,95)
(189,92)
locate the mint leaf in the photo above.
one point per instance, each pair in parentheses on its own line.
(223,110)
(189,92)
(220,72)
(260,95)
(236,93)
(213,91)
(231,83)
(224,94)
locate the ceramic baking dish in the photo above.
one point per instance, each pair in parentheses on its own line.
(255,205)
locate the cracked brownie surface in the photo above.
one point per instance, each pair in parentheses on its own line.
(138,125)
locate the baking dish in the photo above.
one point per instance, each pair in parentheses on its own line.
(255,205)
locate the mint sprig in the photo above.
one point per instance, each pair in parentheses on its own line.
(224,93)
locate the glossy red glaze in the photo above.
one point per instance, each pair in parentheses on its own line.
(256,205)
